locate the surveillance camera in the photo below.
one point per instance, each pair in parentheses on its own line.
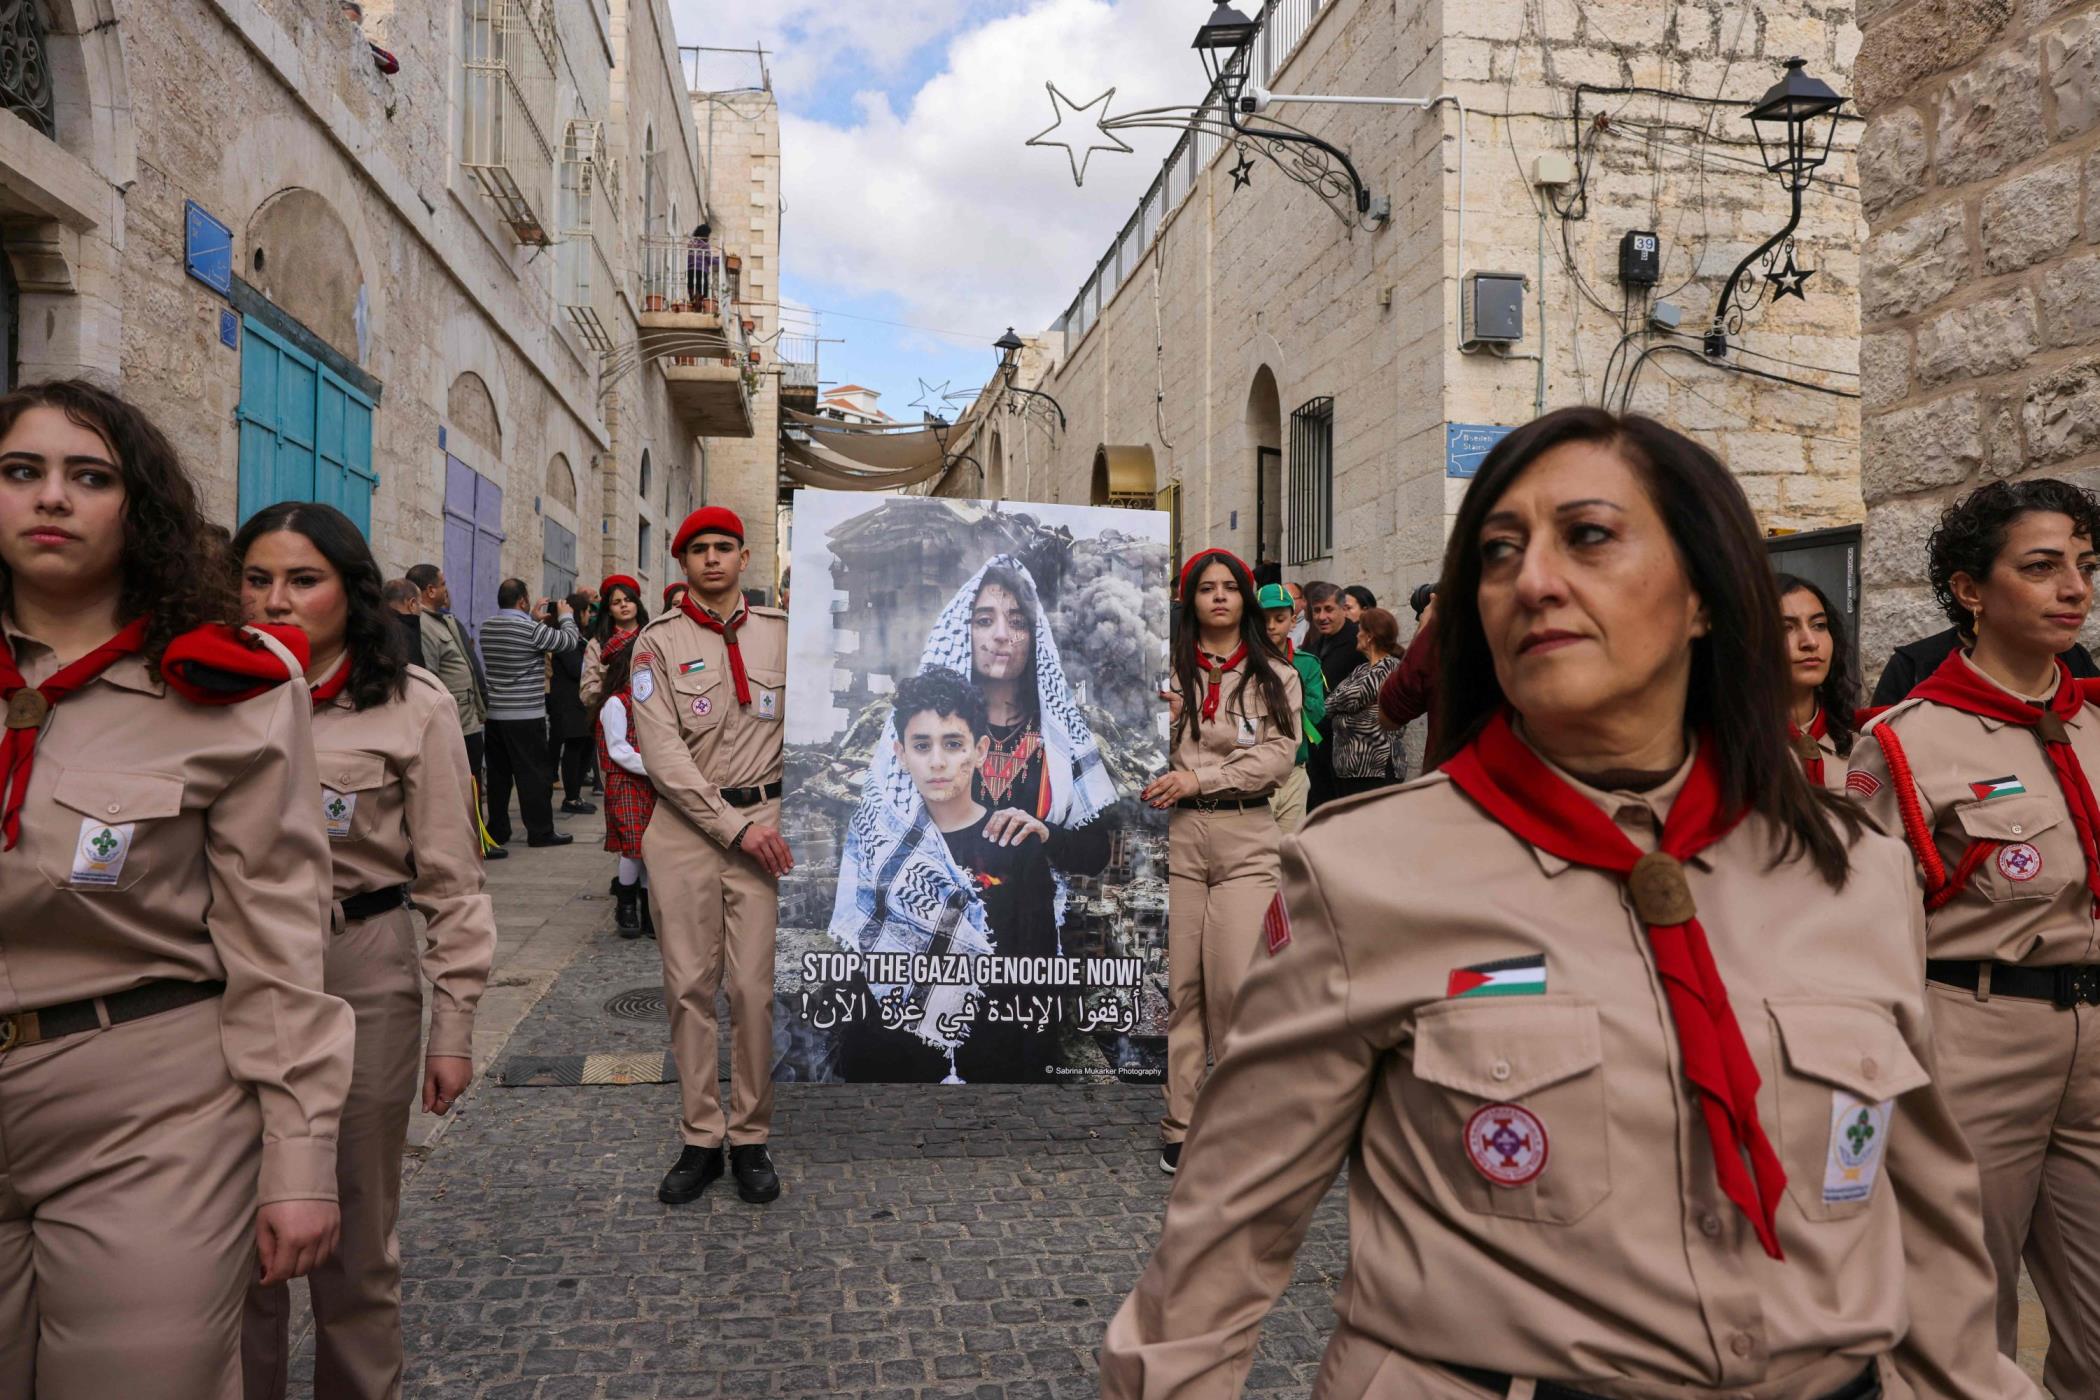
(1253,98)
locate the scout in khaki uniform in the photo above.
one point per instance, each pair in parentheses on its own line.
(1628,1058)
(170,1070)
(398,803)
(1987,770)
(709,698)
(1824,693)
(1234,742)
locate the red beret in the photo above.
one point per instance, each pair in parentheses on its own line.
(220,665)
(720,519)
(613,581)
(672,590)
(1196,560)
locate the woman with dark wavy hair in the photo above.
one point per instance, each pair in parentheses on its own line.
(1616,1021)
(1987,769)
(1825,689)
(171,1071)
(398,801)
(1235,703)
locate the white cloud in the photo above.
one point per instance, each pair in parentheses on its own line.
(941,204)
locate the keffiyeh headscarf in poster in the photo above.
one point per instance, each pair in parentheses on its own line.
(899,890)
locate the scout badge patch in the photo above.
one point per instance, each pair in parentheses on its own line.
(642,684)
(1276,926)
(2020,863)
(1859,1131)
(1506,1143)
(1998,787)
(98,859)
(338,808)
(1864,784)
(1505,977)
(1249,734)
(769,704)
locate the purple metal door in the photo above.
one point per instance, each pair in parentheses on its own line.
(473,542)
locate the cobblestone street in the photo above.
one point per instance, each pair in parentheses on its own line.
(971,1243)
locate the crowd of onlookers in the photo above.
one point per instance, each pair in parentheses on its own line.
(1362,684)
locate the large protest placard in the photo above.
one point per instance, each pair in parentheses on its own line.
(978,894)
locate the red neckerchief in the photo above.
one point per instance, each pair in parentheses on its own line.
(25,718)
(1958,685)
(1515,787)
(727,632)
(338,678)
(1817,728)
(1217,678)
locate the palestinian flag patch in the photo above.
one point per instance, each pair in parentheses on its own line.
(686,668)
(1998,787)
(1507,977)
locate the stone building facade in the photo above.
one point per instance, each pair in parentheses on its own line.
(1980,173)
(330,281)
(1291,380)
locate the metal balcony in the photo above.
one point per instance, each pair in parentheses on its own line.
(511,57)
(691,327)
(590,188)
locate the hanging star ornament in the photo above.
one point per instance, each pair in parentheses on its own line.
(1788,280)
(1242,172)
(1061,107)
(931,396)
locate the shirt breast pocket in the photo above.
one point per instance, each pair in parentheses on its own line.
(348,776)
(1509,1103)
(1846,1065)
(768,693)
(110,829)
(2037,851)
(701,698)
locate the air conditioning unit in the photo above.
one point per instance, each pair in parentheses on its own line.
(1491,309)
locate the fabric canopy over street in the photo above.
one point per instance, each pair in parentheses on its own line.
(817,465)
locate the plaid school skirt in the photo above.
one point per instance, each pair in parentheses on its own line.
(629,803)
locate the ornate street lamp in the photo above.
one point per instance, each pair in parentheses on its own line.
(1796,123)
(1009,348)
(1220,40)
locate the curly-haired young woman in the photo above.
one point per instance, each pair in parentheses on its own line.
(1987,770)
(171,1071)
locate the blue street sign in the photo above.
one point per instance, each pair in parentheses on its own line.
(207,248)
(229,329)
(1466,445)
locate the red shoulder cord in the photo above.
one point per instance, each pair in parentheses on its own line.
(1940,888)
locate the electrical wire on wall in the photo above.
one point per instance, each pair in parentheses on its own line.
(1159,347)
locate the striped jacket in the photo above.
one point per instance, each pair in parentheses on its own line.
(513,648)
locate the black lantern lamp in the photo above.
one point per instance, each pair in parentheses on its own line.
(1787,120)
(1220,41)
(1009,347)
(1796,122)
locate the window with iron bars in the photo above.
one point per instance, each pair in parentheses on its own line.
(1309,532)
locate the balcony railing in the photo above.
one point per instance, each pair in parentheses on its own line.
(590,189)
(511,57)
(679,276)
(798,364)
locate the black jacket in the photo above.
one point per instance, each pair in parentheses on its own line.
(1913,662)
(566,716)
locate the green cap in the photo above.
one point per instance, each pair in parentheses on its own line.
(1273,596)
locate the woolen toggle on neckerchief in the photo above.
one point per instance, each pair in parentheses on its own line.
(1514,785)
(28,706)
(727,632)
(1958,685)
(1810,751)
(1215,674)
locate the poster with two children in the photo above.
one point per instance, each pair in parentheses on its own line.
(978,895)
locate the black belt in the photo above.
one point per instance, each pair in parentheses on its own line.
(373,903)
(22,1028)
(1221,804)
(750,797)
(1865,1386)
(2066,986)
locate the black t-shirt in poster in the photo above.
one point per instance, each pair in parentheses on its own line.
(1013,776)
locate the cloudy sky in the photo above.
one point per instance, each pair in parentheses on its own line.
(909,195)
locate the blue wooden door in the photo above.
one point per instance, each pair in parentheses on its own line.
(473,542)
(557,560)
(305,434)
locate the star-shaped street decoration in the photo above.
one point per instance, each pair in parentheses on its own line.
(931,396)
(1060,107)
(1788,280)
(1242,172)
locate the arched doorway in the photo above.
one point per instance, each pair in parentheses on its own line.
(301,256)
(1124,476)
(1265,437)
(995,469)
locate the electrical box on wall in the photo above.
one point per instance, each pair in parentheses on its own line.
(1640,258)
(1491,309)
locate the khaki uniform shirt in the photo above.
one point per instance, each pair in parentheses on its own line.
(1833,764)
(591,682)
(398,806)
(694,737)
(214,868)
(1982,779)
(1604,1248)
(1245,751)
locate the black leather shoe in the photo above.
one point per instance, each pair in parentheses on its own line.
(559,838)
(627,918)
(696,1169)
(1170,1157)
(578,809)
(756,1181)
(495,853)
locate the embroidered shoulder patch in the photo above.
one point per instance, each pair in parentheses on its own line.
(1276,926)
(1865,784)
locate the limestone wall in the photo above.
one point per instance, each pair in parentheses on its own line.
(1981,298)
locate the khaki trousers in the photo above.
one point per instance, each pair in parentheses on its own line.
(713,907)
(1288,801)
(128,1161)
(356,1295)
(1221,876)
(2023,1079)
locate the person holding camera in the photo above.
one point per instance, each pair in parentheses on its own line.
(1409,691)
(514,644)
